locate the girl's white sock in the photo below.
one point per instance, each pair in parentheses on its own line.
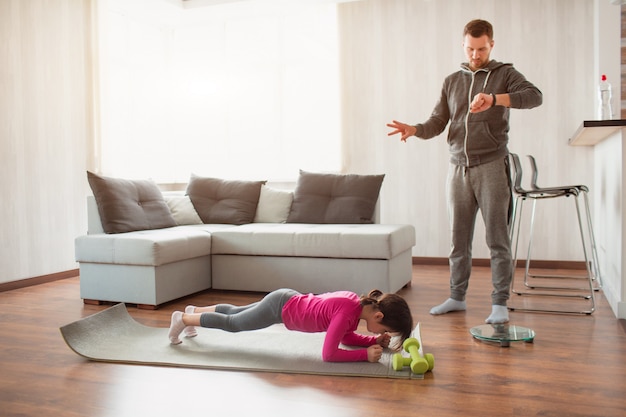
(448,306)
(176,326)
(190,331)
(499,314)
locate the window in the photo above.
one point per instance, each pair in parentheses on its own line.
(235,91)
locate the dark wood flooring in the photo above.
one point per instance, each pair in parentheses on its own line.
(575,367)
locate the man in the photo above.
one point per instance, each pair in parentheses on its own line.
(476,100)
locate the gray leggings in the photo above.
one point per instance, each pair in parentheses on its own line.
(254,316)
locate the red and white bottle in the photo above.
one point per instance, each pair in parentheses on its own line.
(605,95)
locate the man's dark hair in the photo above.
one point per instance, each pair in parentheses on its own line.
(477,28)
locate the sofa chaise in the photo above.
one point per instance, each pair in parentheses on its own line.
(197,249)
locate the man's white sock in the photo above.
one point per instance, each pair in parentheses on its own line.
(448,306)
(499,314)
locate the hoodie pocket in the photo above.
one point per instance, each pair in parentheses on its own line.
(480,140)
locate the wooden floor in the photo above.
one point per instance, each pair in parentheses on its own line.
(575,367)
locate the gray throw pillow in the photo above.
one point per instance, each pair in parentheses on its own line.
(129,205)
(220,201)
(335,198)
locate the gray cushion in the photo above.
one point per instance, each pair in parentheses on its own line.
(224,201)
(129,205)
(335,198)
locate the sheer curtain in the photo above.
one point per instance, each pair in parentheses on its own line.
(243,90)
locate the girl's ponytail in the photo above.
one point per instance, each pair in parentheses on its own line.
(371,298)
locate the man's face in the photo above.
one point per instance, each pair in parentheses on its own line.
(477,51)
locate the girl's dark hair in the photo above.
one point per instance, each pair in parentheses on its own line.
(477,28)
(396,312)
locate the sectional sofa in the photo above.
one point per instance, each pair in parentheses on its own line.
(148,247)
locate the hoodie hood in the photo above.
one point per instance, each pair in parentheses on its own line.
(492,65)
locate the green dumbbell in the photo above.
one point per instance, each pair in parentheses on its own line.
(419,364)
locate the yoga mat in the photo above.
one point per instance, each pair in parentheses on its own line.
(112,335)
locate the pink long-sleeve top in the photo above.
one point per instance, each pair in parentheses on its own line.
(338,314)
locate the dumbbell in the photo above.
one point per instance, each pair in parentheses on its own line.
(419,364)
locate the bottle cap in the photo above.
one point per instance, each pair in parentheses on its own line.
(603,77)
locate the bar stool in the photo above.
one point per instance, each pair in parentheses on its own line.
(532,285)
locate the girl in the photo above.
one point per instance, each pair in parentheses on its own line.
(336,313)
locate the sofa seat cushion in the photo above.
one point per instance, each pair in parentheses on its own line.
(362,241)
(146,247)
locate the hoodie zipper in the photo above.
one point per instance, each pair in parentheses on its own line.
(467,115)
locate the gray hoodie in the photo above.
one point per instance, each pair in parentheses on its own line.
(478,137)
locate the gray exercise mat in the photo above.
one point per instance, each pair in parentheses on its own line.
(112,335)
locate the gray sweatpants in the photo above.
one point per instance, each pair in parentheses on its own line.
(486,187)
(254,316)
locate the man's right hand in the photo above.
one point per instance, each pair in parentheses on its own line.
(406,130)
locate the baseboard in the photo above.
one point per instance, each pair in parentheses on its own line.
(521,263)
(29,282)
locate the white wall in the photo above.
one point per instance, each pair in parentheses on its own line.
(609,170)
(44,132)
(395,55)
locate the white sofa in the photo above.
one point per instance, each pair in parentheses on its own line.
(151,267)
